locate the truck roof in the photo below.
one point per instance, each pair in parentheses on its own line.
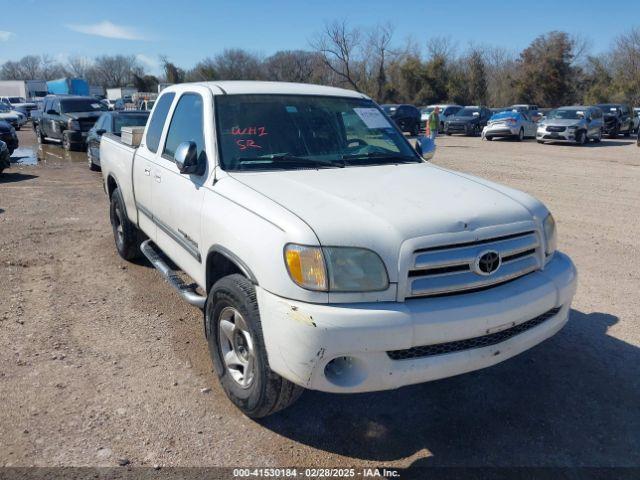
(238,87)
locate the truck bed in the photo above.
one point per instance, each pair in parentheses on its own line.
(116,161)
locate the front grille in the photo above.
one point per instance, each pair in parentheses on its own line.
(471,343)
(457,127)
(552,128)
(451,269)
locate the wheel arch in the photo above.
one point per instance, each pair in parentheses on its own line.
(221,262)
(112,184)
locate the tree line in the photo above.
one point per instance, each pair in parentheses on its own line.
(555,69)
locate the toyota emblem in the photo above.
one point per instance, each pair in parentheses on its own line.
(487,263)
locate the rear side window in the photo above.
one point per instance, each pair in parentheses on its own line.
(156,124)
(186,125)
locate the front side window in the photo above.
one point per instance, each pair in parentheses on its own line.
(186,125)
(156,124)
(271,132)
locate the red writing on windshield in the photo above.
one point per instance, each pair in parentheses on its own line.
(246,144)
(259,131)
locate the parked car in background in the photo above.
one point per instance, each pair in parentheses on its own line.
(636,120)
(8,136)
(13,117)
(111,122)
(446,111)
(374,269)
(19,104)
(68,119)
(617,119)
(576,124)
(510,123)
(5,161)
(407,117)
(533,110)
(468,121)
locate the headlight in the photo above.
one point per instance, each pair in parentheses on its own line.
(550,235)
(336,269)
(573,127)
(73,125)
(12,131)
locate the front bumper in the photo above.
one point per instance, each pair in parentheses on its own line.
(302,339)
(77,136)
(566,136)
(500,131)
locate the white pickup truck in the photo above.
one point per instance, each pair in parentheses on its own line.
(325,252)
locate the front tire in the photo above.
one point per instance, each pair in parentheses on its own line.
(92,166)
(581,138)
(236,345)
(521,135)
(125,234)
(39,136)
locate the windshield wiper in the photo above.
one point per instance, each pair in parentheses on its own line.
(396,158)
(286,158)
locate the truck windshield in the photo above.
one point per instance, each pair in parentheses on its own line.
(81,105)
(269,132)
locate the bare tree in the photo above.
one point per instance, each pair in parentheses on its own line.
(379,51)
(441,47)
(237,64)
(293,66)
(203,71)
(79,66)
(340,47)
(114,70)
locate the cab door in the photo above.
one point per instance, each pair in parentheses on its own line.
(178,197)
(143,164)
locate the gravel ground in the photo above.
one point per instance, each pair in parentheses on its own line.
(101,362)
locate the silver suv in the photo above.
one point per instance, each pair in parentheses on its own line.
(571,124)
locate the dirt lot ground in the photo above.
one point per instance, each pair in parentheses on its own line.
(100,360)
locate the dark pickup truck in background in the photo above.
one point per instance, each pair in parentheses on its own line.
(618,119)
(68,119)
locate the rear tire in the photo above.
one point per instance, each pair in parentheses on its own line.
(236,345)
(125,234)
(598,139)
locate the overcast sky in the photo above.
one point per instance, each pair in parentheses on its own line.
(188,30)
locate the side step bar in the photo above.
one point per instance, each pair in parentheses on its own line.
(187,292)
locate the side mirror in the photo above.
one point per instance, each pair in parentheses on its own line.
(186,157)
(51,112)
(425,147)
(101,131)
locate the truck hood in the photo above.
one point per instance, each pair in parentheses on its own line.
(379,207)
(79,115)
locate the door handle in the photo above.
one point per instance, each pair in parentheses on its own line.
(147,171)
(158,178)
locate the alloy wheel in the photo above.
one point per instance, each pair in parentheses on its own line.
(236,346)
